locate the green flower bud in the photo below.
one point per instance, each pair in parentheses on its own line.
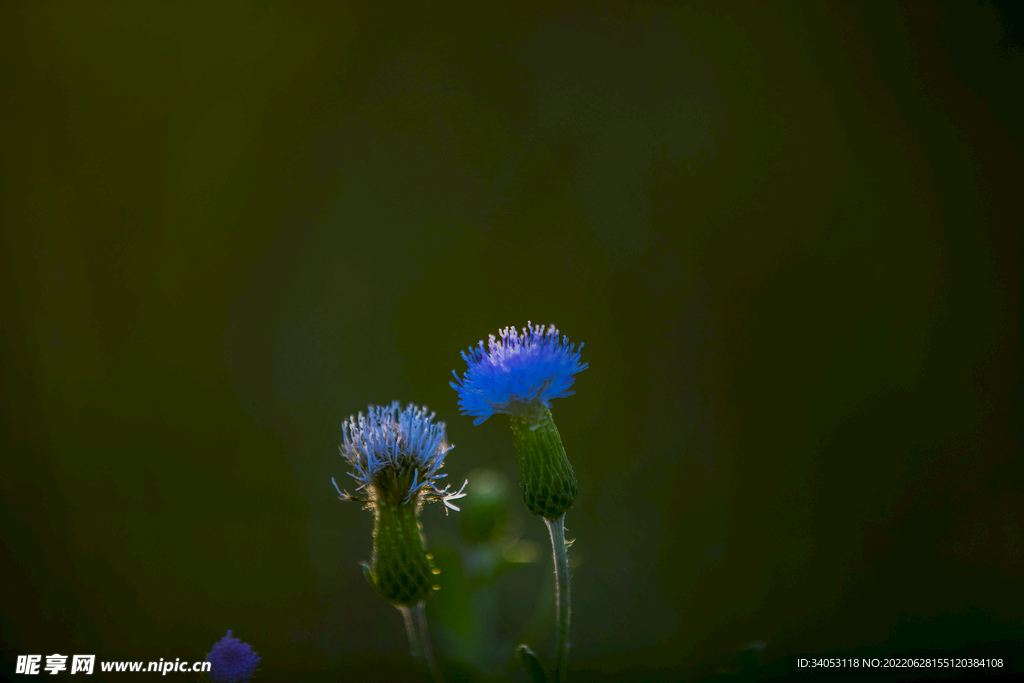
(401,570)
(547,480)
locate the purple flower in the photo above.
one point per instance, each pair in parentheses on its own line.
(232,661)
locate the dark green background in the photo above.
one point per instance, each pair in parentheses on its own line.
(790,237)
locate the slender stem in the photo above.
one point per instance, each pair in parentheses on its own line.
(428,651)
(410,630)
(556,527)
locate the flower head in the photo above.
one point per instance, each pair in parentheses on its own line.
(232,661)
(515,371)
(396,454)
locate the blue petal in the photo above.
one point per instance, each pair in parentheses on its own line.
(533,367)
(386,434)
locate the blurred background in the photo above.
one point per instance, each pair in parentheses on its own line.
(789,236)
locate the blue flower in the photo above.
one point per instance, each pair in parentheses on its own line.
(396,453)
(395,456)
(517,371)
(232,661)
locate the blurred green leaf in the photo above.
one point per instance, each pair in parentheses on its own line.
(533,667)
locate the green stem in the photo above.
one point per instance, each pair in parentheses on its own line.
(556,527)
(419,637)
(428,651)
(410,630)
